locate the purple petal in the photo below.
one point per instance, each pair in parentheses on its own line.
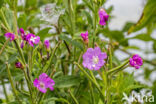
(22,31)
(43,90)
(22,44)
(47,44)
(37,39)
(36,82)
(43,77)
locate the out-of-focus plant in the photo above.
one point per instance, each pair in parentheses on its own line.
(66,61)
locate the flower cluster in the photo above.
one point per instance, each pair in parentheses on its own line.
(51,13)
(29,38)
(10,36)
(136,61)
(93,59)
(32,39)
(44,82)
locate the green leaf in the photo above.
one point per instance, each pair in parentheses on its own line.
(154,91)
(88,4)
(89,18)
(72,42)
(43,33)
(1,3)
(22,23)
(133,87)
(2,39)
(55,99)
(131,47)
(12,59)
(148,16)
(154,46)
(67,81)
(8,15)
(127,26)
(35,22)
(143,37)
(30,3)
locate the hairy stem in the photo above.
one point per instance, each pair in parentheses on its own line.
(12,83)
(118,68)
(4,90)
(73,97)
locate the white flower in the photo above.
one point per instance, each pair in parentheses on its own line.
(51,13)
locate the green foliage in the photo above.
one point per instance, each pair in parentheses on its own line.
(148,16)
(63,61)
(67,81)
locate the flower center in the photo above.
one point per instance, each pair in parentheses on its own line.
(95,59)
(42,85)
(32,39)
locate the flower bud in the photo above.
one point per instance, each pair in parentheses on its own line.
(47,44)
(19,65)
(103,17)
(136,61)
(85,37)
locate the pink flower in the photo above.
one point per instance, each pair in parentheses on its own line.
(47,44)
(32,39)
(85,36)
(93,59)
(103,17)
(10,36)
(136,61)
(43,83)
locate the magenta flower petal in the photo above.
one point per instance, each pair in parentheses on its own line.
(36,82)
(136,61)
(43,77)
(21,31)
(47,44)
(22,44)
(93,59)
(42,89)
(10,36)
(103,17)
(32,39)
(85,36)
(43,83)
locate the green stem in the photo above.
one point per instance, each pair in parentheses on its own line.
(92,75)
(67,47)
(4,90)
(90,78)
(108,81)
(20,51)
(12,84)
(92,93)
(73,97)
(25,73)
(5,44)
(94,24)
(110,57)
(118,68)
(15,23)
(49,63)
(71,16)
(5,21)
